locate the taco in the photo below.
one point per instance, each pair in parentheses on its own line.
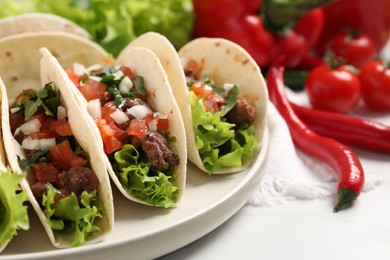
(39,22)
(47,138)
(19,56)
(137,124)
(222,98)
(13,208)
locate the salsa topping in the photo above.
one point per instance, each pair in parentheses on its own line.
(117,100)
(54,160)
(222,122)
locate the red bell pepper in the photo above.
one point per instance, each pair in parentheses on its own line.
(267,29)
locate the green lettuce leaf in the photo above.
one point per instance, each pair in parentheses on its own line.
(67,217)
(114,23)
(13,212)
(219,145)
(142,181)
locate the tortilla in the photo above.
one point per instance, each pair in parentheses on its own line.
(11,198)
(19,56)
(39,22)
(144,63)
(82,132)
(227,62)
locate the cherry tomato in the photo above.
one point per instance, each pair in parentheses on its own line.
(375,79)
(355,50)
(337,90)
(64,158)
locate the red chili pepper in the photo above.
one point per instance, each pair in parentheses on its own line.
(356,131)
(289,28)
(339,157)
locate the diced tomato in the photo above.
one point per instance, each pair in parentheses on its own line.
(107,110)
(127,72)
(62,127)
(192,68)
(162,123)
(117,131)
(64,158)
(92,89)
(73,77)
(46,172)
(110,142)
(138,127)
(201,90)
(43,134)
(213,102)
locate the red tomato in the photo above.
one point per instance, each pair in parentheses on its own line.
(375,79)
(64,158)
(337,90)
(107,110)
(110,142)
(127,72)
(73,77)
(353,50)
(200,89)
(213,102)
(92,89)
(62,127)
(162,123)
(138,127)
(46,172)
(43,134)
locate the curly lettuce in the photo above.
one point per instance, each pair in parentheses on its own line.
(13,211)
(67,217)
(142,181)
(114,23)
(219,144)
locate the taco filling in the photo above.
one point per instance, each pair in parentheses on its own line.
(222,122)
(135,138)
(58,169)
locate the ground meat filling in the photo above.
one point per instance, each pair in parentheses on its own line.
(241,113)
(155,146)
(77,180)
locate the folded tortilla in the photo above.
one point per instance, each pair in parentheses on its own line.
(19,56)
(13,208)
(39,22)
(144,63)
(227,62)
(82,133)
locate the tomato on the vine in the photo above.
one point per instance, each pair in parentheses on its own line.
(336,89)
(353,49)
(375,80)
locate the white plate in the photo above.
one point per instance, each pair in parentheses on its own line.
(143,232)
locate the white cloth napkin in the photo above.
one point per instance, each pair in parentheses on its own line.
(291,174)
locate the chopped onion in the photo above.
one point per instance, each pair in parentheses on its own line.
(95,78)
(119,116)
(31,144)
(118,74)
(93,68)
(31,126)
(61,112)
(94,108)
(17,131)
(139,111)
(14,110)
(47,143)
(125,85)
(152,125)
(159,115)
(79,69)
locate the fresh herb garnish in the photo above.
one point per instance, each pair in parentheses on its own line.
(139,85)
(46,97)
(231,101)
(36,158)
